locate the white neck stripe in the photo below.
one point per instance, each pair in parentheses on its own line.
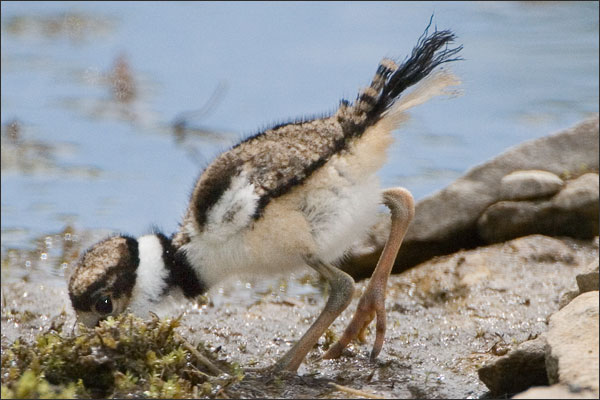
(152,275)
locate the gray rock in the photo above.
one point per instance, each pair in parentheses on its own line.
(507,220)
(447,221)
(572,343)
(524,185)
(572,212)
(589,280)
(543,249)
(556,392)
(579,195)
(458,206)
(567,297)
(586,282)
(518,370)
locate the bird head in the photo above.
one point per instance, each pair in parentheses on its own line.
(103,280)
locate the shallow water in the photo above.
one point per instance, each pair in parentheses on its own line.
(91,93)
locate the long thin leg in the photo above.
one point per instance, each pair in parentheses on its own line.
(372,303)
(342,289)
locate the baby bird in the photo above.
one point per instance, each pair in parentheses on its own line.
(296,194)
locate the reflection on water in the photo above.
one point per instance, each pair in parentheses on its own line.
(50,256)
(76,26)
(22,155)
(126,93)
(110,110)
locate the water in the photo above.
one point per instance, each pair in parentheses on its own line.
(86,157)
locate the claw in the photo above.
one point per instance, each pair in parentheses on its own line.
(379,333)
(369,306)
(362,334)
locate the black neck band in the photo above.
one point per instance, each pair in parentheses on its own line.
(181,273)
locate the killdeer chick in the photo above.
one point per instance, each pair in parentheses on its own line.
(296,194)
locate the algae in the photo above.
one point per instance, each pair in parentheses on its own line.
(123,357)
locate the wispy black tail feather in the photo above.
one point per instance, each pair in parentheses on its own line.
(424,58)
(391,80)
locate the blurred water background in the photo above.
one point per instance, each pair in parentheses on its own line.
(110,110)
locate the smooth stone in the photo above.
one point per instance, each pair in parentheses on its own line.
(579,194)
(589,280)
(574,212)
(572,337)
(556,392)
(524,185)
(518,370)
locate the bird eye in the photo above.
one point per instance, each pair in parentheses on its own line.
(104,305)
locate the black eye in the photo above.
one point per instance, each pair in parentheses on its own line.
(104,305)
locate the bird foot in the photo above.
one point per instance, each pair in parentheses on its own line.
(370,306)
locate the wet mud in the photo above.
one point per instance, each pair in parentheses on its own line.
(445,318)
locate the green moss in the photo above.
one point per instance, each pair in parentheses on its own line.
(123,357)
(31,386)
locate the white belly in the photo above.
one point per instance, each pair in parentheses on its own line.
(323,217)
(341,215)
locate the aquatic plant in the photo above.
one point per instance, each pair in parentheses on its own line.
(122,357)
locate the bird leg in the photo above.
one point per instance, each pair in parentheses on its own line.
(372,303)
(342,290)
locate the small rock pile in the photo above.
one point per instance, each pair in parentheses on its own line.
(566,356)
(541,202)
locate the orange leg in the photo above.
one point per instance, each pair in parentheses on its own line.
(372,303)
